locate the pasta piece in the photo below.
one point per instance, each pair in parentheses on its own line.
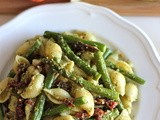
(34,88)
(127,104)
(3,84)
(42,47)
(123,116)
(124,65)
(5,91)
(12,104)
(89,106)
(5,95)
(79,72)
(53,50)
(18,61)
(22,50)
(10,116)
(113,57)
(85,35)
(131,92)
(65,117)
(36,62)
(87,56)
(119,82)
(68,66)
(56,95)
(28,109)
(31,70)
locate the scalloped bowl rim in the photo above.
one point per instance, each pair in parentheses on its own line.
(149,47)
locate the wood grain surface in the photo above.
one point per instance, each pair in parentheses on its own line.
(17,6)
(130,7)
(123,7)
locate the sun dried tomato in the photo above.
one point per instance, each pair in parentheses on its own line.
(30,101)
(98,113)
(81,115)
(111,104)
(20,112)
(69,102)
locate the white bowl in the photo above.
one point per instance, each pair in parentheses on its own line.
(107,25)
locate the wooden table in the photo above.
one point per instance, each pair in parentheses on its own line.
(130,7)
(17,6)
(123,7)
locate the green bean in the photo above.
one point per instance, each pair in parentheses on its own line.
(107,53)
(35,46)
(39,106)
(62,108)
(102,69)
(110,94)
(1,112)
(72,39)
(78,61)
(125,73)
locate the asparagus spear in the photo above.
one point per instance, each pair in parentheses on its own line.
(125,73)
(110,94)
(72,39)
(35,46)
(102,69)
(105,92)
(28,55)
(79,62)
(11,74)
(111,115)
(62,108)
(39,106)
(107,53)
(38,109)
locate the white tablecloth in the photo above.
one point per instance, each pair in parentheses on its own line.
(150,25)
